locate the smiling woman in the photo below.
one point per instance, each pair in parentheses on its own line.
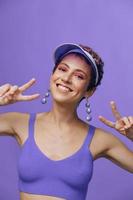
(90,58)
(71,77)
(58,149)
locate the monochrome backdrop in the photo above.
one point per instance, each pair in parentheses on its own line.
(30,30)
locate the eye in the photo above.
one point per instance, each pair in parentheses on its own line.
(79,76)
(61,68)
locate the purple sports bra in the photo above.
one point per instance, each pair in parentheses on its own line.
(67,178)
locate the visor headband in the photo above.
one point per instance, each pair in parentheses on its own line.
(93,64)
(67,48)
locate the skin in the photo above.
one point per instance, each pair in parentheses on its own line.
(59,140)
(124,125)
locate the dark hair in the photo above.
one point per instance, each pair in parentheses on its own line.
(99,64)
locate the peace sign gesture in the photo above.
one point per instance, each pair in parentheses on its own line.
(12,93)
(124,125)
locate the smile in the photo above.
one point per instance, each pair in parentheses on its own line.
(64,88)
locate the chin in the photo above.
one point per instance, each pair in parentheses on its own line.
(62,99)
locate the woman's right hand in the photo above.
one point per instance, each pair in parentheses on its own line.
(12,93)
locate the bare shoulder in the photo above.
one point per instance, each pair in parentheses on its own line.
(12,123)
(19,119)
(108,138)
(16,119)
(103,134)
(102,142)
(21,125)
(17,124)
(9,120)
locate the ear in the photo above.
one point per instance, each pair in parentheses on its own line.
(89,93)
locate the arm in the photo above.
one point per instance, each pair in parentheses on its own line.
(6,121)
(7,124)
(116,151)
(10,94)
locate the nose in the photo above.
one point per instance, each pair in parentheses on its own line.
(66,77)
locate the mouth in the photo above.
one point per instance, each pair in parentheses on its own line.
(64,87)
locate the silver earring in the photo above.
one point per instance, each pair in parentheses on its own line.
(88,110)
(44,99)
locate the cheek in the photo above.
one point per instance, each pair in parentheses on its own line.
(86,84)
(53,78)
(51,82)
(81,85)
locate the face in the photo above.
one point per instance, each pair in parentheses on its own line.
(70,80)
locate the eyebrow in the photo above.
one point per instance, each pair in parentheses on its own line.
(76,69)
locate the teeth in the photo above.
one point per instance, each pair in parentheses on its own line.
(63,88)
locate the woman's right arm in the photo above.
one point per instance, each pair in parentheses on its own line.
(10,94)
(7,121)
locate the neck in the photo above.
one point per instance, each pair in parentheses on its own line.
(62,114)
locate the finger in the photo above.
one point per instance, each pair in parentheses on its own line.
(114,110)
(6,100)
(122,131)
(12,90)
(29,97)
(4,89)
(130,118)
(107,122)
(27,85)
(127,123)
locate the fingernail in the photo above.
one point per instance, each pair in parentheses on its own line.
(112,102)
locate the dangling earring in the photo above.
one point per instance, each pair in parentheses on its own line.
(44,100)
(88,110)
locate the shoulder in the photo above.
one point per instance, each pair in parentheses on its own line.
(101,133)
(13,118)
(16,124)
(16,118)
(21,124)
(10,123)
(103,141)
(106,138)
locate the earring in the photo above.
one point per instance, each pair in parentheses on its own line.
(44,100)
(88,110)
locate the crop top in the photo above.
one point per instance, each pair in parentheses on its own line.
(67,178)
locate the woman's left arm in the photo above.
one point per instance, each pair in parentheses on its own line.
(116,151)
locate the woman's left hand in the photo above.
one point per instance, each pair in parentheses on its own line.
(123,125)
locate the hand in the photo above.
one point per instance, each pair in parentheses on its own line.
(124,125)
(12,93)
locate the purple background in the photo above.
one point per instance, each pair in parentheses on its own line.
(29,32)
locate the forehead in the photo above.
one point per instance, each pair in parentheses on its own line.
(76,61)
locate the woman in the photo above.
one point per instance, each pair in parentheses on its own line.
(57,147)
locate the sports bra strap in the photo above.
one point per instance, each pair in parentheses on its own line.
(31,124)
(90,135)
(87,141)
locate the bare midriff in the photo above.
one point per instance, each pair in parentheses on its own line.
(27,196)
